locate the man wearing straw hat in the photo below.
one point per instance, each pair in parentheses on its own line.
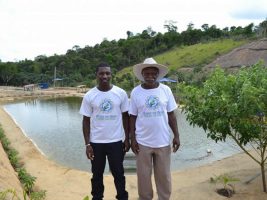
(151,112)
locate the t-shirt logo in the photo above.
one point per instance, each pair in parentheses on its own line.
(106,105)
(152,102)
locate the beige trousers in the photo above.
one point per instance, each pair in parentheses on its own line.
(158,160)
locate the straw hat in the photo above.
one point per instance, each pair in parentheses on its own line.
(149,62)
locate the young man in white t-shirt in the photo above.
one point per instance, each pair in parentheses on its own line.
(105,120)
(151,112)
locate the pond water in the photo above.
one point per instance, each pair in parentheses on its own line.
(55,127)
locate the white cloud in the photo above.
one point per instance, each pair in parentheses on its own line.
(45,27)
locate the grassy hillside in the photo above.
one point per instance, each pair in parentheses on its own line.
(192,56)
(197,55)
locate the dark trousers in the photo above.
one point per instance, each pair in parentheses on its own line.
(114,152)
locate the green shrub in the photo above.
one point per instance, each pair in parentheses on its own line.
(2,135)
(12,194)
(225,180)
(13,157)
(8,193)
(38,195)
(5,142)
(26,179)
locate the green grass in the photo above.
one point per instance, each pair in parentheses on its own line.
(197,55)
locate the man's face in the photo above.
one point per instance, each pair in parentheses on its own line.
(103,75)
(150,74)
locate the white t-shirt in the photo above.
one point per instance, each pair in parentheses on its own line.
(105,111)
(151,107)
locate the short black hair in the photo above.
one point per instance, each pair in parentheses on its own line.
(103,64)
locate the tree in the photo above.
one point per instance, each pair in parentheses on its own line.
(190,26)
(233,106)
(172,37)
(151,32)
(248,30)
(262,29)
(129,34)
(144,34)
(7,72)
(214,32)
(170,26)
(205,27)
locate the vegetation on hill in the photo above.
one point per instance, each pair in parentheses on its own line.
(77,66)
(192,58)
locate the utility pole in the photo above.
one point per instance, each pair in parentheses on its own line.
(55,76)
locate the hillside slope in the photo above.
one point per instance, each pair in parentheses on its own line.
(246,55)
(190,57)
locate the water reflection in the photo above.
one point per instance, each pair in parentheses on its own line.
(55,126)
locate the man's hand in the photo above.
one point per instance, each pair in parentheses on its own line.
(134,146)
(175,144)
(90,152)
(126,146)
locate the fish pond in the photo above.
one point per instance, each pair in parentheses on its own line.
(55,127)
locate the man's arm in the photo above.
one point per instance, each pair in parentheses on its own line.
(86,135)
(173,124)
(134,144)
(125,120)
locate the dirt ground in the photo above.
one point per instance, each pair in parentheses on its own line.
(70,184)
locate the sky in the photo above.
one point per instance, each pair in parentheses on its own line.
(29,28)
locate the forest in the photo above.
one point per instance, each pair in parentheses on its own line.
(77,66)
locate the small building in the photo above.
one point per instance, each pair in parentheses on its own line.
(29,87)
(81,88)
